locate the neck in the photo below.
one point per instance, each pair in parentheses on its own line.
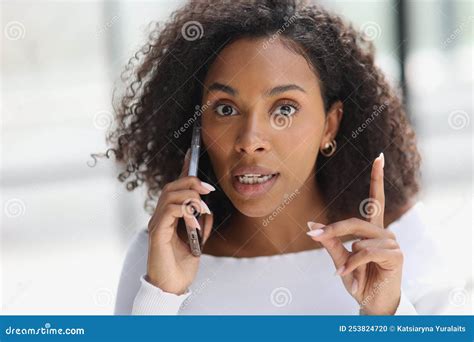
(281,231)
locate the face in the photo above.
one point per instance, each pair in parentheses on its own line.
(262,108)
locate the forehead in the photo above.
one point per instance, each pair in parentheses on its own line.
(262,62)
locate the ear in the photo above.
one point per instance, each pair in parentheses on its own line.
(333,120)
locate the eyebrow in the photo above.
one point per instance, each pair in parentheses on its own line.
(272,92)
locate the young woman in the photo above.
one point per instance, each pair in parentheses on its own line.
(309,169)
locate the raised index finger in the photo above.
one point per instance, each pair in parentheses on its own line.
(375,207)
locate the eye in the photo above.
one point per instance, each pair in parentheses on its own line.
(286,109)
(224,110)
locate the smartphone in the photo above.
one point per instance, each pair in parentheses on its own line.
(195,235)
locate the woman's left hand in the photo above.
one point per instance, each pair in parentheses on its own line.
(372,271)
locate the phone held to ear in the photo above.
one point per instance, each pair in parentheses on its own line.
(195,235)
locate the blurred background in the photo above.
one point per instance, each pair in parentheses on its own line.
(65,226)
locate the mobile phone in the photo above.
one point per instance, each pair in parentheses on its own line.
(195,235)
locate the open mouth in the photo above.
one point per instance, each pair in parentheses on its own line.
(251,185)
(255,178)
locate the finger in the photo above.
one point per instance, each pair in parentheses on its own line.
(170,214)
(389,259)
(185,168)
(192,222)
(375,243)
(352,226)
(189,182)
(189,199)
(334,246)
(207,221)
(377,194)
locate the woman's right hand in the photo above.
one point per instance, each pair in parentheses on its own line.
(171,266)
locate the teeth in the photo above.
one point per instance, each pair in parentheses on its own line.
(253,179)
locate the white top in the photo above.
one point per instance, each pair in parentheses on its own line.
(292,283)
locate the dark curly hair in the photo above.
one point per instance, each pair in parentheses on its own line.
(164,87)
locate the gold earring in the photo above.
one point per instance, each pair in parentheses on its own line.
(329,148)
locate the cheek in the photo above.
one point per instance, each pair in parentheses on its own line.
(218,147)
(215,141)
(302,152)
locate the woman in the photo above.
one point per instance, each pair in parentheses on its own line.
(288,97)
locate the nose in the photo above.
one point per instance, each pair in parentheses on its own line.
(251,138)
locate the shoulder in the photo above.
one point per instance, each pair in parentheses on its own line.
(429,277)
(413,233)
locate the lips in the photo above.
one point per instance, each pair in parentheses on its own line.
(252,170)
(255,189)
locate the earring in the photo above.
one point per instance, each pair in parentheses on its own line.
(329,148)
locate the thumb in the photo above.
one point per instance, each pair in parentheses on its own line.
(185,168)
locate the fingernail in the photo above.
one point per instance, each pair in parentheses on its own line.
(188,152)
(208,186)
(196,223)
(340,270)
(314,225)
(192,222)
(315,232)
(381,156)
(205,207)
(355,286)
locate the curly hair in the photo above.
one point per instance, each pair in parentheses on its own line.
(164,87)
